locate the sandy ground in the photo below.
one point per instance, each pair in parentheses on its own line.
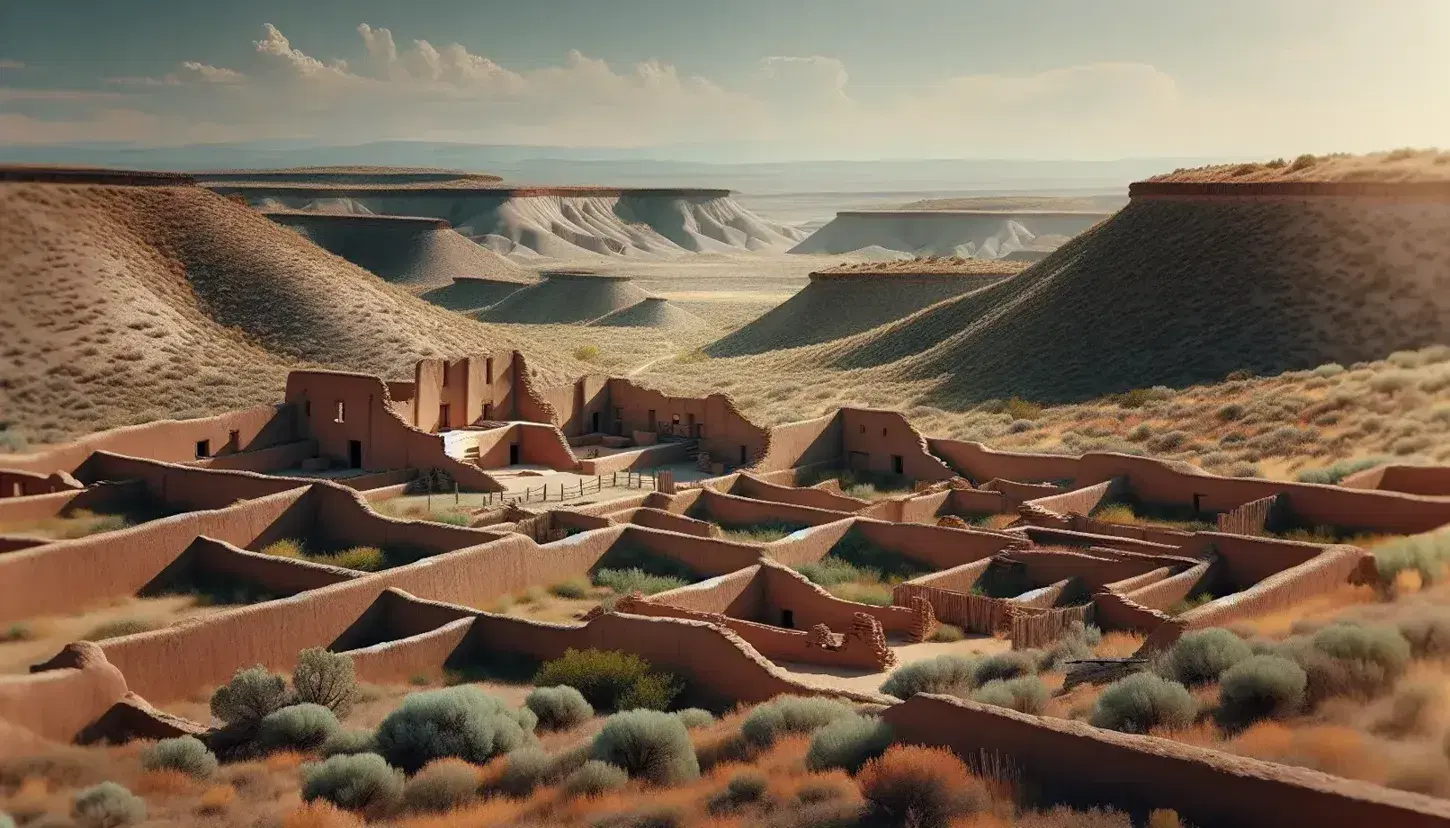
(818,676)
(37,639)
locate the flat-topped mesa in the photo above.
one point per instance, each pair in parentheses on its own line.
(1399,190)
(37,174)
(926,269)
(349,175)
(582,275)
(294,218)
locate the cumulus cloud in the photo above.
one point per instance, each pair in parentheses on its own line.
(277,52)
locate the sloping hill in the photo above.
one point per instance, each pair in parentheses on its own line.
(125,304)
(844,301)
(419,253)
(986,234)
(565,298)
(1177,290)
(651,312)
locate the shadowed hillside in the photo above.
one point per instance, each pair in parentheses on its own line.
(1176,291)
(129,304)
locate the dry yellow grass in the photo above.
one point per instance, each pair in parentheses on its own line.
(1406,164)
(132,304)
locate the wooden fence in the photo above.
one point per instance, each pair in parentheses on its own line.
(1031,628)
(976,614)
(1252,518)
(569,491)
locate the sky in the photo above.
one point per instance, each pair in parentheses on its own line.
(759,79)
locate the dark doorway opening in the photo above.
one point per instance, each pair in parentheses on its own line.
(443,417)
(354,454)
(203,449)
(787,619)
(514,454)
(594,422)
(742,455)
(897,466)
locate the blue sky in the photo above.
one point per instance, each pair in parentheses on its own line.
(803,78)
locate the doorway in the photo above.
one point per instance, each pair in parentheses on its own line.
(742,455)
(594,422)
(354,454)
(443,420)
(787,619)
(897,465)
(513,454)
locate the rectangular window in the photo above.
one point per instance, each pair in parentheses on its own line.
(488,371)
(307,408)
(203,449)
(897,466)
(445,375)
(341,416)
(234,439)
(651,425)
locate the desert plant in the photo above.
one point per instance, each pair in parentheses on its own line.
(559,708)
(1002,666)
(634,579)
(361,782)
(1330,676)
(299,727)
(325,678)
(610,679)
(1427,629)
(359,558)
(921,787)
(524,770)
(350,741)
(441,786)
(1426,554)
(1337,471)
(1142,702)
(943,674)
(252,693)
(1025,694)
(594,778)
(848,743)
(648,745)
(586,353)
(462,722)
(116,629)
(1383,647)
(947,633)
(107,805)
(1020,409)
(790,714)
(1260,687)
(186,754)
(744,788)
(1201,656)
(575,588)
(694,717)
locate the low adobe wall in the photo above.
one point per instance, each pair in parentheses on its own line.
(707,556)
(344,518)
(59,703)
(1112,611)
(69,575)
(957,579)
(220,560)
(739,595)
(187,487)
(42,506)
(660,519)
(401,659)
(1080,501)
(803,443)
(1045,536)
(1206,788)
(660,454)
(810,544)
(939,547)
(274,458)
(16,483)
(1433,481)
(1048,566)
(747,485)
(1248,560)
(732,510)
(1164,593)
(809,604)
(977,462)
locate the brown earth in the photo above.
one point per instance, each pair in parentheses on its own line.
(1396,165)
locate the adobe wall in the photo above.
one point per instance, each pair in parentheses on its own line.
(11,543)
(1127,585)
(707,556)
(186,487)
(786,589)
(972,502)
(58,704)
(1046,535)
(1207,788)
(660,519)
(1044,597)
(662,454)
(871,438)
(15,483)
(1112,611)
(1047,566)
(979,463)
(1310,503)
(1433,481)
(170,440)
(747,485)
(543,445)
(399,660)
(725,430)
(221,560)
(804,443)
(1020,492)
(739,595)
(957,579)
(275,458)
(1249,560)
(42,506)
(1162,594)
(810,544)
(939,547)
(65,576)
(732,510)
(1081,501)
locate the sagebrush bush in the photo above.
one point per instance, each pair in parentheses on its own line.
(1025,694)
(186,754)
(1381,646)
(1427,555)
(694,717)
(848,743)
(1329,676)
(441,786)
(634,579)
(252,693)
(107,805)
(1427,629)
(1001,666)
(1260,687)
(1142,702)
(648,745)
(1201,656)
(791,714)
(300,727)
(524,770)
(559,708)
(325,678)
(610,679)
(943,674)
(744,788)
(362,782)
(921,787)
(947,633)
(1338,470)
(350,741)
(462,722)
(1415,709)
(595,778)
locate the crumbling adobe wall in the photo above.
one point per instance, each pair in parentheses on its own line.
(739,595)
(275,458)
(809,604)
(1019,493)
(69,575)
(59,702)
(804,443)
(870,439)
(979,463)
(748,485)
(1112,611)
(170,440)
(1433,481)
(724,430)
(15,483)
(1206,788)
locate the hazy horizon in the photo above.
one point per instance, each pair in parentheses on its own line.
(746,82)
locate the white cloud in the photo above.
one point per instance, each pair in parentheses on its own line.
(277,52)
